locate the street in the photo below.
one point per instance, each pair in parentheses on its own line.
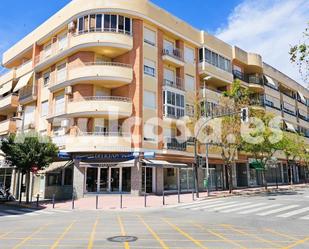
(276,220)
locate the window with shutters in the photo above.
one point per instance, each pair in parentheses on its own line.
(149,36)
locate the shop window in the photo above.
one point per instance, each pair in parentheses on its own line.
(54,179)
(68,176)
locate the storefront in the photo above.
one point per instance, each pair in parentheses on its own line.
(5,177)
(215,176)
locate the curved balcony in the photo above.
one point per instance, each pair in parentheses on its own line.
(8,103)
(95,142)
(110,107)
(109,74)
(109,42)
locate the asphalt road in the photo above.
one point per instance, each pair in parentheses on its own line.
(265,221)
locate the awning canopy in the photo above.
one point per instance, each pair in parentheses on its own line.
(129,163)
(290,127)
(161,163)
(23,81)
(271,81)
(5,88)
(303,99)
(56,166)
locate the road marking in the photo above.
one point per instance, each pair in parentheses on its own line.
(92,235)
(292,213)
(259,209)
(30,236)
(297,243)
(277,210)
(64,233)
(251,235)
(183,233)
(305,217)
(219,235)
(123,232)
(153,233)
(281,234)
(229,206)
(243,207)
(212,205)
(199,204)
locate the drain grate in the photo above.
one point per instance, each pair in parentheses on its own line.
(121,239)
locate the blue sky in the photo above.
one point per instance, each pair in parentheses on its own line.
(267,27)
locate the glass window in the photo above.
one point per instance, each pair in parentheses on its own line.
(150,132)
(149,67)
(190,83)
(68,176)
(29,114)
(208,55)
(61,72)
(81,24)
(86,23)
(149,36)
(54,179)
(44,108)
(113,23)
(120,24)
(201,54)
(189,55)
(214,59)
(170,179)
(107,22)
(47,50)
(59,104)
(46,78)
(98,22)
(128,25)
(62,41)
(150,99)
(92,23)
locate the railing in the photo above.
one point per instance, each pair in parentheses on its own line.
(103,30)
(257,101)
(106,63)
(174,144)
(105,134)
(101,98)
(177,83)
(251,79)
(27,92)
(175,53)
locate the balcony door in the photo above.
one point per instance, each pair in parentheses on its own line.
(168,46)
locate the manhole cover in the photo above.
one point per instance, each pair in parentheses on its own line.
(122,239)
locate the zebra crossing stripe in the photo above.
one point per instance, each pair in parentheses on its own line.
(198,204)
(243,207)
(305,217)
(233,205)
(278,210)
(205,206)
(292,213)
(31,214)
(254,210)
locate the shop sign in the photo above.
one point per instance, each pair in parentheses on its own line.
(106,157)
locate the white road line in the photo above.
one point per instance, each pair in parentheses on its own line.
(229,206)
(259,209)
(59,211)
(31,214)
(243,207)
(305,217)
(199,204)
(277,210)
(208,206)
(295,212)
(44,212)
(216,205)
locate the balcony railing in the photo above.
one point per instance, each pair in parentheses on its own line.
(103,30)
(257,101)
(27,92)
(176,83)
(174,144)
(105,134)
(251,79)
(101,98)
(175,53)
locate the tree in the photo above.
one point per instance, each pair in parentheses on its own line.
(292,145)
(259,143)
(300,55)
(28,152)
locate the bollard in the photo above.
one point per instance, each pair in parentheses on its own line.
(163,198)
(37,200)
(145,200)
(54,201)
(121,200)
(73,199)
(97,202)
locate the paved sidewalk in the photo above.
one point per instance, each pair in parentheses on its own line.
(112,202)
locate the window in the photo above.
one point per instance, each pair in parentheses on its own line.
(46,78)
(121,24)
(107,22)
(149,67)
(174,104)
(149,132)
(168,47)
(99,126)
(92,23)
(80,24)
(149,99)
(44,108)
(113,23)
(54,179)
(149,36)
(169,77)
(190,82)
(86,23)
(61,72)
(98,24)
(189,55)
(62,41)
(29,114)
(68,176)
(59,104)
(128,25)
(215,59)
(47,50)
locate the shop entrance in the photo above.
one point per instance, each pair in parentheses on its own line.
(108,179)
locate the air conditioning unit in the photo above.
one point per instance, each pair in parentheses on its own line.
(68,90)
(65,123)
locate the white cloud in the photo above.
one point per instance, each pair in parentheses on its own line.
(268,27)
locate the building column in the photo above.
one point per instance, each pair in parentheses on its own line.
(136,179)
(248,174)
(201,176)
(160,180)
(78,180)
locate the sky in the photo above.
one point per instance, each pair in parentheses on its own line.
(267,27)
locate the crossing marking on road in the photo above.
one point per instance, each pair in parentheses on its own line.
(259,209)
(123,232)
(199,204)
(295,212)
(229,206)
(30,236)
(210,206)
(277,210)
(63,234)
(305,217)
(243,207)
(281,234)
(92,235)
(219,235)
(183,233)
(153,233)
(297,243)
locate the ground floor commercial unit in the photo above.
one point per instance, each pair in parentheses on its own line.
(132,174)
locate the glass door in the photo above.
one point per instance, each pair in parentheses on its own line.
(126,180)
(92,180)
(104,179)
(114,179)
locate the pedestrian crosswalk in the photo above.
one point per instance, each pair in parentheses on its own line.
(244,207)
(25,212)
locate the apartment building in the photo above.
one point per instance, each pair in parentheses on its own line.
(109,80)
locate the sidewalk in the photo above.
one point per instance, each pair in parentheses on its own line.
(112,202)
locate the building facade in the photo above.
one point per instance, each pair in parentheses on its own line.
(109,80)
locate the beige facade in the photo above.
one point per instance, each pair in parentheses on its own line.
(81,75)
